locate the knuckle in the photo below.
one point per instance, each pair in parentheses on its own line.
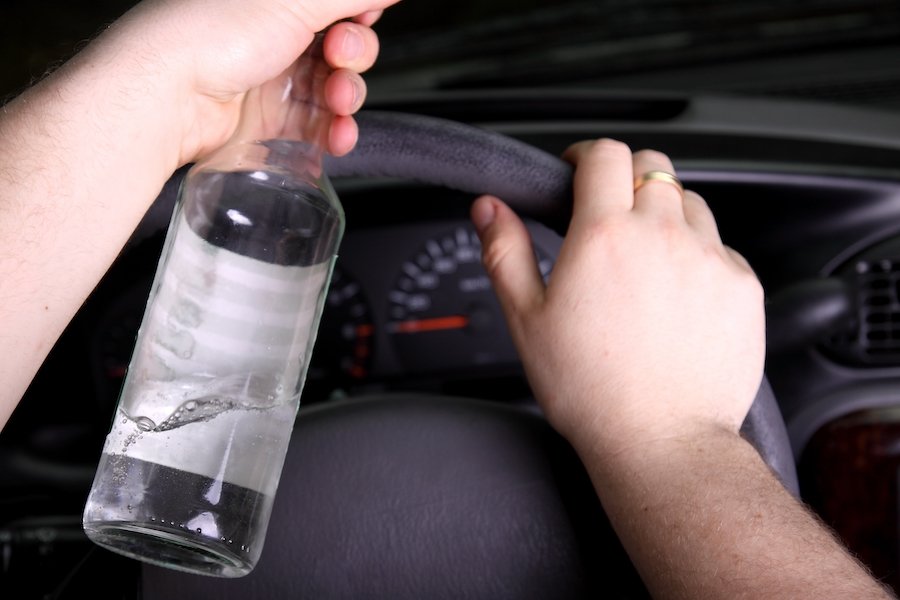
(692,196)
(608,230)
(494,253)
(744,275)
(695,203)
(606,147)
(753,284)
(651,156)
(670,232)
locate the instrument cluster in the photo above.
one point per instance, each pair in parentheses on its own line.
(408,304)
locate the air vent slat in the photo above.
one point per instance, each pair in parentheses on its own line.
(876,339)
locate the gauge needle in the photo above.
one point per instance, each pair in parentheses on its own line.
(434,324)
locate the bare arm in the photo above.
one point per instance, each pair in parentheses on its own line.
(645,351)
(85,152)
(705,518)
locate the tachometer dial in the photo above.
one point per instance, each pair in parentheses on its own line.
(442,304)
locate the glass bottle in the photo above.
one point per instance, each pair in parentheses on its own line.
(191,465)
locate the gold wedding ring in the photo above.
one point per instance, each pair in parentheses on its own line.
(658,176)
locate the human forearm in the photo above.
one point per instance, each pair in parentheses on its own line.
(85,152)
(83,155)
(645,350)
(703,517)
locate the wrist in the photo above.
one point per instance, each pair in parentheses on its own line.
(606,417)
(154,68)
(125,84)
(630,446)
(652,471)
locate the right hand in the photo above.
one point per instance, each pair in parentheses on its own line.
(650,328)
(209,53)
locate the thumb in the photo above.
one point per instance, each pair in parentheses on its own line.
(508,257)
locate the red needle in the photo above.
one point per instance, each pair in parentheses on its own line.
(435,324)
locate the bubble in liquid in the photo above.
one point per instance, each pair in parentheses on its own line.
(128,441)
(145,424)
(190,406)
(199,530)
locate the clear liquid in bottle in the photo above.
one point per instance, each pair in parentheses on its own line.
(191,465)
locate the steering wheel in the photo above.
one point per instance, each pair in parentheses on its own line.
(410,497)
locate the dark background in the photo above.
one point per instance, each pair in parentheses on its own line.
(845,51)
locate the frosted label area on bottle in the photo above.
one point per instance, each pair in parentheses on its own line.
(217,380)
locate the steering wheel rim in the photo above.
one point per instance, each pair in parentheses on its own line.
(480,161)
(349,521)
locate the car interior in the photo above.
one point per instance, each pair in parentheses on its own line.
(420,464)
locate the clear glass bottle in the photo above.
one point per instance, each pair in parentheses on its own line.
(193,459)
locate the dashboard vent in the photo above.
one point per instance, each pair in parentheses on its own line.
(875,341)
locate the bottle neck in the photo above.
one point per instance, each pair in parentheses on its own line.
(292,106)
(285,122)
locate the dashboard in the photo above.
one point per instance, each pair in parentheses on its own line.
(409,305)
(808,192)
(410,308)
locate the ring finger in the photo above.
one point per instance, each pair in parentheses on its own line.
(660,196)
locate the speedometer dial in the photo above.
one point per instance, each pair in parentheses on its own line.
(344,342)
(443,304)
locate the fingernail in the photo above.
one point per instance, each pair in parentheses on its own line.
(353,44)
(358,93)
(483,213)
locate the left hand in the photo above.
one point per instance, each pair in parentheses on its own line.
(650,327)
